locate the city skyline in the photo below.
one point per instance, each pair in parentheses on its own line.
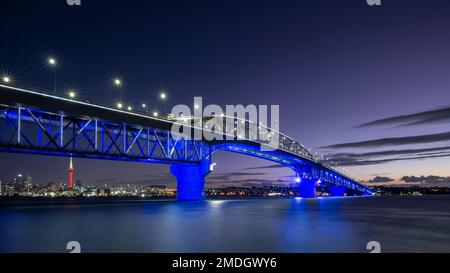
(379,109)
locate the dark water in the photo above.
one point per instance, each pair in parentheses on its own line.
(400,224)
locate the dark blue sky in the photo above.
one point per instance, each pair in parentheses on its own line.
(330,65)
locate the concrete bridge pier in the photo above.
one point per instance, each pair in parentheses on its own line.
(307,188)
(336,190)
(190,180)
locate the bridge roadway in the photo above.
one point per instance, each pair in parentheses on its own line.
(39,123)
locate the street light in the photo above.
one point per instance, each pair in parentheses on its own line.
(119,105)
(52,62)
(6,79)
(145,107)
(118,83)
(130,108)
(163,96)
(155,114)
(72,94)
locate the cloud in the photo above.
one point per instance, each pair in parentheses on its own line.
(358,162)
(427,117)
(431,179)
(370,158)
(380,179)
(389,152)
(420,139)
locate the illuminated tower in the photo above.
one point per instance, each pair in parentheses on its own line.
(71,174)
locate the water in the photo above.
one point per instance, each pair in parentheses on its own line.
(400,224)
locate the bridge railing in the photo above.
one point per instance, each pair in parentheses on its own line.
(234,128)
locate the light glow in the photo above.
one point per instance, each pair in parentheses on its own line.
(6,79)
(51,61)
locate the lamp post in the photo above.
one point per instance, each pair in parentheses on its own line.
(163,98)
(145,108)
(52,62)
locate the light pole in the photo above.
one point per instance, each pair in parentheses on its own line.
(145,108)
(53,63)
(118,83)
(163,97)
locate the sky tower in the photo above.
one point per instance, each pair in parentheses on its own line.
(71,174)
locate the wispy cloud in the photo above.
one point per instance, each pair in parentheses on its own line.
(439,115)
(362,162)
(419,139)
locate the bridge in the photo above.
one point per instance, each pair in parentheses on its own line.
(37,123)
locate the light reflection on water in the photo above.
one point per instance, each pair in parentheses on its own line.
(400,224)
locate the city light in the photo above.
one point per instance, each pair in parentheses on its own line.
(130,108)
(155,114)
(163,96)
(119,105)
(144,105)
(72,94)
(196,106)
(117,82)
(298,179)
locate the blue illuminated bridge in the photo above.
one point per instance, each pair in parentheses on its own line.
(37,123)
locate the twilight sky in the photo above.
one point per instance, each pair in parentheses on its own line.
(368,87)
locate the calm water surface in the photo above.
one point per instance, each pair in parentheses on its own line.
(400,224)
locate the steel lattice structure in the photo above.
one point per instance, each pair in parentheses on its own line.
(36,131)
(32,122)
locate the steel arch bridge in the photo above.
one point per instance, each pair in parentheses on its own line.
(38,123)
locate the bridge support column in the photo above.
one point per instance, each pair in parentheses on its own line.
(307,188)
(190,181)
(337,190)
